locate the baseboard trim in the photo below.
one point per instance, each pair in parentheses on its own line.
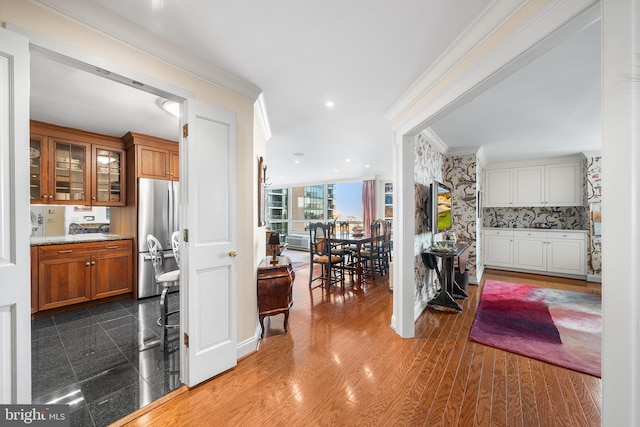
(596,279)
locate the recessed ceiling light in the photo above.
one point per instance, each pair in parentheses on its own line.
(348,160)
(296,161)
(329,104)
(366,166)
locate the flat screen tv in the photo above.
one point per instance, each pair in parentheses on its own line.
(441,205)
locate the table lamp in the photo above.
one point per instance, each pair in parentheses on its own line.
(274,242)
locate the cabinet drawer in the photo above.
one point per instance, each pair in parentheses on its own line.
(498,232)
(566,235)
(530,234)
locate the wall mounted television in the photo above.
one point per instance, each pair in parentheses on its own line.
(441,204)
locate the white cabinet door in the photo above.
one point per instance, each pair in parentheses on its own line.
(528,186)
(498,250)
(563,184)
(529,251)
(566,255)
(499,188)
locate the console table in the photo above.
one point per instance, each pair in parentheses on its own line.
(275,289)
(450,289)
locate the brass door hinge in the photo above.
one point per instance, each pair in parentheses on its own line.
(185,235)
(186,339)
(185,130)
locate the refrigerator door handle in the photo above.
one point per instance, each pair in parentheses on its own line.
(170,213)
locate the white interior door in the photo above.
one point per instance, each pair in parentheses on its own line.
(208,200)
(15,312)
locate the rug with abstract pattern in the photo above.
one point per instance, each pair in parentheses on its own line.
(558,327)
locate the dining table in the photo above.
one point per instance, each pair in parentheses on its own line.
(356,240)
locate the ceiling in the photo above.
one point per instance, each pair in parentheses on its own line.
(300,54)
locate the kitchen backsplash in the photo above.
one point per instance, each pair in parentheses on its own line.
(565,218)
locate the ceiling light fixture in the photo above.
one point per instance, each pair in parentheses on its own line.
(171,107)
(329,104)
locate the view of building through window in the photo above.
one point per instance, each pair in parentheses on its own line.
(291,210)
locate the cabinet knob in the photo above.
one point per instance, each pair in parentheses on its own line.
(88,264)
(93,198)
(93,263)
(51,197)
(233,254)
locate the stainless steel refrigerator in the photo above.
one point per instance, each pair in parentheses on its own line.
(157,215)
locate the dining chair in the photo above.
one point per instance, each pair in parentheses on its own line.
(373,254)
(175,245)
(168,280)
(321,252)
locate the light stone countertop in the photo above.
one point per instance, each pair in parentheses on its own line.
(553,230)
(77,238)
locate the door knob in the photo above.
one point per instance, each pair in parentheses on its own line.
(232,253)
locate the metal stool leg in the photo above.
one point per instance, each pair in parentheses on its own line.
(163,318)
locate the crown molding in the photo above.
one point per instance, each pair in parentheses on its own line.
(593,153)
(435,141)
(115,27)
(513,37)
(464,151)
(492,17)
(260,110)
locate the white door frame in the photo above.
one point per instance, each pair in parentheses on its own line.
(15,301)
(81,60)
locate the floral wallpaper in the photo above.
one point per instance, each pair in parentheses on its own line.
(570,218)
(461,175)
(428,165)
(594,200)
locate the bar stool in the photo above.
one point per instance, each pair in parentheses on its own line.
(166,279)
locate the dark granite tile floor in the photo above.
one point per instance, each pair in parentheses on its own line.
(105,361)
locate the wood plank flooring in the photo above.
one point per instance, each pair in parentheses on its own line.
(341,364)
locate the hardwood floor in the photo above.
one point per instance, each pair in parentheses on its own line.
(341,364)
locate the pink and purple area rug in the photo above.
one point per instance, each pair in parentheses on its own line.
(558,327)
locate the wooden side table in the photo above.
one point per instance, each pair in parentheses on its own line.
(275,290)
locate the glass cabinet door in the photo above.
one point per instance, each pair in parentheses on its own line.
(107,183)
(38,191)
(71,174)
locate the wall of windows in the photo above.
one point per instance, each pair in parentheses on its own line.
(291,210)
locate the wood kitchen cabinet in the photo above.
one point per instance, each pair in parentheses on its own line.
(81,272)
(75,167)
(155,158)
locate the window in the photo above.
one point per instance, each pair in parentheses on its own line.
(291,210)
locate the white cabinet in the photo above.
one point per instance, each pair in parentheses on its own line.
(529,250)
(544,251)
(563,185)
(498,248)
(552,184)
(566,253)
(498,190)
(529,186)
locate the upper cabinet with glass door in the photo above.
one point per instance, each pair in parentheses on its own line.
(71,172)
(38,188)
(108,164)
(67,168)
